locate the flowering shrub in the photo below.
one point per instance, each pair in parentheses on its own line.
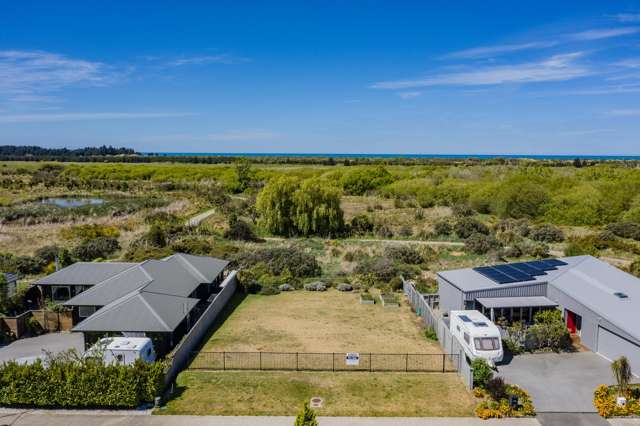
(604,399)
(492,409)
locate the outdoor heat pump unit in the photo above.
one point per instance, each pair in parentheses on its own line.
(478,336)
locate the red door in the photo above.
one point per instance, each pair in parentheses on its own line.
(571,322)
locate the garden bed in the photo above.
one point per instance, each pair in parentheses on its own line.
(389,300)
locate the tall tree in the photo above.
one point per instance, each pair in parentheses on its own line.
(275,205)
(318,209)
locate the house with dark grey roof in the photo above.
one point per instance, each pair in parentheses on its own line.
(599,303)
(10,285)
(66,283)
(158,298)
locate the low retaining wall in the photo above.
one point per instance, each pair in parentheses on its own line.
(181,354)
(448,342)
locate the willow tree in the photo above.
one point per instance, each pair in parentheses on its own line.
(289,207)
(275,205)
(317,209)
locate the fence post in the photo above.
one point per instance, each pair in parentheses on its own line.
(443,361)
(297,363)
(406,363)
(224,360)
(370,364)
(333,361)
(260,360)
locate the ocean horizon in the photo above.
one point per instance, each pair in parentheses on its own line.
(370,155)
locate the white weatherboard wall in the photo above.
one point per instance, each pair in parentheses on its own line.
(450,344)
(182,353)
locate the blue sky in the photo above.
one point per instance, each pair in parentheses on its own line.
(437,77)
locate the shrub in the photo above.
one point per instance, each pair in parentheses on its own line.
(625,230)
(344,287)
(156,236)
(496,388)
(430,334)
(380,269)
(89,231)
(360,180)
(481,244)
(285,287)
(100,247)
(482,372)
(442,228)
(404,254)
(383,230)
(315,286)
(279,259)
(361,225)
(521,199)
(306,417)
(518,226)
(240,230)
(580,246)
(548,331)
(634,268)
(462,210)
(192,245)
(70,381)
(467,226)
(269,291)
(547,234)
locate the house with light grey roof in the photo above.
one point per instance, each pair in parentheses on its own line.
(156,298)
(599,303)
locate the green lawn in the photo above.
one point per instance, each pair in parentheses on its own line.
(344,394)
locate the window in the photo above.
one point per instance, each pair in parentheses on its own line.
(86,311)
(487,343)
(120,358)
(60,294)
(466,337)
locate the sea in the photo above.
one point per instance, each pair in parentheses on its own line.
(369,155)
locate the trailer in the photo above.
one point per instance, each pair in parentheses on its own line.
(478,336)
(123,350)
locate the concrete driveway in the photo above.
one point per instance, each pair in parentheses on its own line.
(560,383)
(34,346)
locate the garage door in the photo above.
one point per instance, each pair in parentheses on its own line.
(612,346)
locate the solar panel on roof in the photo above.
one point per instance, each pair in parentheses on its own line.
(539,264)
(495,275)
(513,273)
(527,269)
(464,318)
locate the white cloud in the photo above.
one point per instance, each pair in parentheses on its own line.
(409,95)
(603,33)
(628,17)
(625,112)
(481,52)
(28,72)
(208,59)
(80,116)
(557,68)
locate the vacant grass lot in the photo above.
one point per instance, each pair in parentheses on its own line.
(344,394)
(330,321)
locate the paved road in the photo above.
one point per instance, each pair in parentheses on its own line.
(562,383)
(195,220)
(572,419)
(34,346)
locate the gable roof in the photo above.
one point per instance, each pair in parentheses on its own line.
(140,311)
(85,273)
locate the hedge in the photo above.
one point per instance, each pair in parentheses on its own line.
(79,383)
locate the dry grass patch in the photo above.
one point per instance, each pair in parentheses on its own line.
(344,394)
(329,321)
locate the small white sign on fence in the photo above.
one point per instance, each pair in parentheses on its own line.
(352,358)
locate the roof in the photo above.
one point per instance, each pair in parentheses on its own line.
(85,273)
(594,284)
(124,343)
(152,296)
(469,280)
(516,302)
(140,311)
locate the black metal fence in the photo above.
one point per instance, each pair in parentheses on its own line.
(336,361)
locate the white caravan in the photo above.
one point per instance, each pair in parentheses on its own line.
(479,337)
(124,350)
